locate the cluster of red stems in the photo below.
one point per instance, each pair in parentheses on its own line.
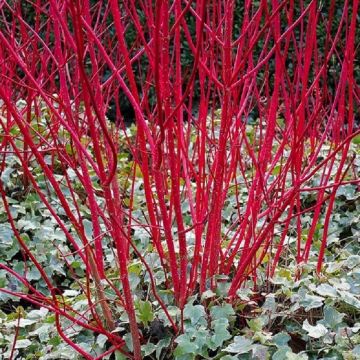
(271,58)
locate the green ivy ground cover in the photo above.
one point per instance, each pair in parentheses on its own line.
(290,316)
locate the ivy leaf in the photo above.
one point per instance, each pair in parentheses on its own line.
(315,332)
(244,294)
(101,340)
(281,339)
(37,314)
(119,356)
(241,345)
(148,348)
(350,299)
(134,281)
(6,235)
(208,294)
(128,341)
(332,317)
(292,356)
(311,302)
(356,351)
(43,333)
(163,343)
(27,225)
(70,293)
(33,274)
(88,227)
(326,290)
(173,311)
(22,344)
(221,312)
(352,261)
(221,333)
(22,323)
(194,313)
(281,353)
(269,304)
(6,176)
(347,190)
(185,345)
(356,327)
(201,339)
(260,352)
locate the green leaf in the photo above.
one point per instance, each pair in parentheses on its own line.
(352,261)
(221,312)
(6,235)
(33,274)
(356,351)
(88,227)
(76,264)
(315,332)
(260,352)
(349,191)
(208,294)
(255,324)
(101,340)
(6,175)
(292,356)
(163,343)
(281,353)
(21,323)
(185,345)
(173,311)
(22,344)
(221,333)
(311,301)
(37,314)
(27,225)
(145,313)
(356,140)
(135,268)
(128,341)
(70,293)
(148,348)
(134,281)
(120,356)
(194,313)
(201,339)
(332,317)
(350,299)
(281,339)
(270,303)
(55,341)
(244,294)
(241,345)
(276,170)
(326,290)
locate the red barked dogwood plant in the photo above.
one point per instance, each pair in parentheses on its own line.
(229,99)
